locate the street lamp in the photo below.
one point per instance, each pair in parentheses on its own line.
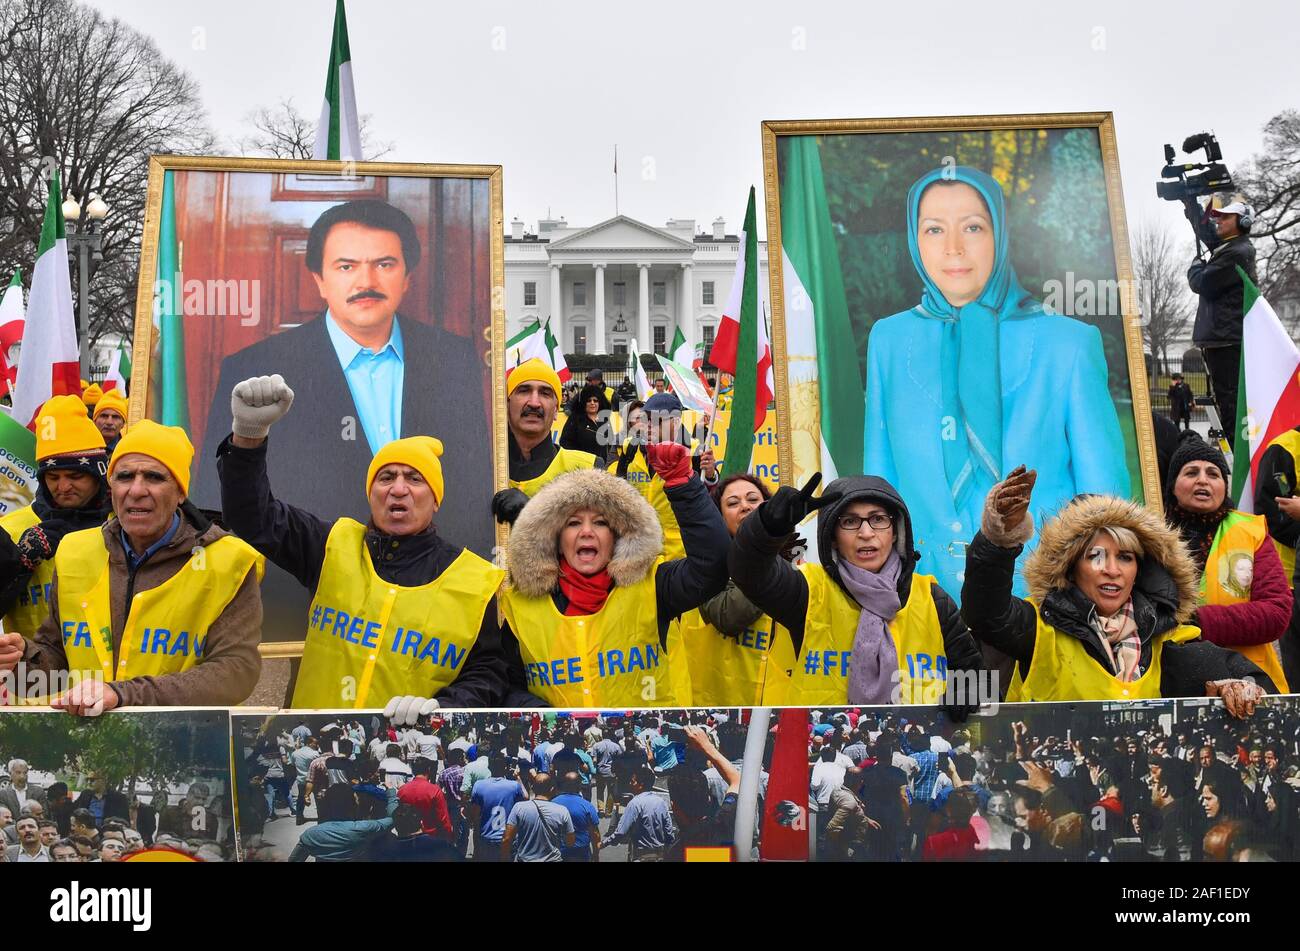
(82,225)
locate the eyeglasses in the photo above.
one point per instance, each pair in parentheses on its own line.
(878,521)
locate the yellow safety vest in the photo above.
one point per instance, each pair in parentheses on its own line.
(820,674)
(34,603)
(1062,669)
(730,671)
(369,640)
(566,460)
(1238,538)
(651,487)
(166,627)
(612,658)
(1290,441)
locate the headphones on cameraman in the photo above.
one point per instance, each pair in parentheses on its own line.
(1246,218)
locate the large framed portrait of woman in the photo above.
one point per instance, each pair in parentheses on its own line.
(955,298)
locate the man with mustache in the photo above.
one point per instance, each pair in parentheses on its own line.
(366,374)
(532,399)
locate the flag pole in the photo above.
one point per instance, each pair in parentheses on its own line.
(717,395)
(751,768)
(616,180)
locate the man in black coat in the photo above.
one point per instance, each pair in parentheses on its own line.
(366,375)
(1219,312)
(1181,400)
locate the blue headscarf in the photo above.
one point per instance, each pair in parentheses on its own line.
(969,356)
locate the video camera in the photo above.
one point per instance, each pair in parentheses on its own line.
(1193,180)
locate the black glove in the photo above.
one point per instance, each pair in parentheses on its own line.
(507,504)
(39,542)
(783,512)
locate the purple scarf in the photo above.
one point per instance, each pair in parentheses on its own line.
(874,665)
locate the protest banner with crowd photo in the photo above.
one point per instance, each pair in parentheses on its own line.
(1044,366)
(140,785)
(1163,781)
(528,786)
(367,287)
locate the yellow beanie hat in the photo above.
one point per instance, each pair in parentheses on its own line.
(91,395)
(64,429)
(114,400)
(168,444)
(419,452)
(534,370)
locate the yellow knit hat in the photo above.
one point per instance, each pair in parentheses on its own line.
(168,444)
(419,452)
(91,395)
(114,400)
(534,370)
(63,429)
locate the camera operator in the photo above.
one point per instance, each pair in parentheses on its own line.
(1219,313)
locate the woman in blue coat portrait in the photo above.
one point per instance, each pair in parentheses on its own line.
(978,377)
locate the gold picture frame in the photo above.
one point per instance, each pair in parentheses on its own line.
(1102,122)
(312,180)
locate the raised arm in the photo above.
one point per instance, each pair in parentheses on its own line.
(686,583)
(291,537)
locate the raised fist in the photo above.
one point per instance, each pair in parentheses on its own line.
(258,402)
(671,460)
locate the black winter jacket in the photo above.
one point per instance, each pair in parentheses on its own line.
(295,540)
(1219,312)
(1009,623)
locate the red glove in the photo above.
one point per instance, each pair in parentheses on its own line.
(671,460)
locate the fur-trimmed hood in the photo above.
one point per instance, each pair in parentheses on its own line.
(532,554)
(1166,573)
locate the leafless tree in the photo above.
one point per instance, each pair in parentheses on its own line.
(281,131)
(1270,181)
(93,98)
(1167,306)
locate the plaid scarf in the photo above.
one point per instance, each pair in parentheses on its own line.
(1120,638)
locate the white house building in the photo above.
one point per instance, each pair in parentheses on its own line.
(604,285)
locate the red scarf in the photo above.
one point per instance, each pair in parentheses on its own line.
(586,593)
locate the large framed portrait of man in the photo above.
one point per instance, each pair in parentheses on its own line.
(368,287)
(955,299)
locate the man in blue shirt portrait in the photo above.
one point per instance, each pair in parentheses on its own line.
(369,374)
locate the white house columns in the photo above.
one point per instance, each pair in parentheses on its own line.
(643,338)
(598,341)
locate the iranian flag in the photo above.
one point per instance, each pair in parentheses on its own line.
(536,340)
(11,330)
(119,371)
(558,363)
(525,345)
(50,364)
(741,348)
(637,372)
(1268,391)
(678,351)
(784,836)
(338,134)
(820,342)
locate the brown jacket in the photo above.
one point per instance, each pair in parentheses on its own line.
(230,666)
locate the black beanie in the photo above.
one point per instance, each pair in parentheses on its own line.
(1192,448)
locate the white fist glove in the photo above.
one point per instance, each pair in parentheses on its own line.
(406,711)
(258,402)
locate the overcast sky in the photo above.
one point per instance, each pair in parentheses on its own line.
(546,90)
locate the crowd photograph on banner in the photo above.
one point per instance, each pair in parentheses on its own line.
(139,787)
(778,461)
(523,786)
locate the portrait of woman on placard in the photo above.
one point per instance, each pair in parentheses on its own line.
(978,377)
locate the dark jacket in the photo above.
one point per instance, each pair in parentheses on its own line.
(295,539)
(320,471)
(1009,623)
(13,574)
(115,804)
(1219,312)
(583,433)
(771,583)
(1276,478)
(1181,399)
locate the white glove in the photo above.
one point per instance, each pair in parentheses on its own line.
(406,711)
(258,402)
